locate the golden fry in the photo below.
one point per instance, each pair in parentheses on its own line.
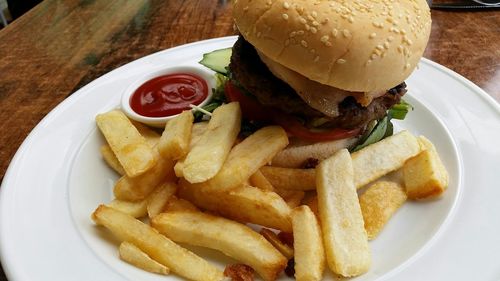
(207,156)
(378,203)
(158,247)
(174,142)
(308,245)
(383,157)
(425,175)
(133,255)
(344,235)
(110,158)
(231,238)
(290,178)
(156,201)
(135,155)
(273,238)
(260,181)
(196,133)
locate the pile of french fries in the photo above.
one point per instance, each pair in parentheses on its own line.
(199,184)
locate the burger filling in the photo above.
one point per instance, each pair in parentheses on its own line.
(314,105)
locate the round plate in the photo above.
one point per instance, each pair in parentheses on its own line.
(57,178)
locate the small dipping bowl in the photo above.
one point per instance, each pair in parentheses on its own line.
(160,122)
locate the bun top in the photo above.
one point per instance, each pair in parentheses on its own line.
(358,45)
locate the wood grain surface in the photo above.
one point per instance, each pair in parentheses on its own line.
(61,45)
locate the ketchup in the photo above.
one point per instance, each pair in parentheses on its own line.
(168,95)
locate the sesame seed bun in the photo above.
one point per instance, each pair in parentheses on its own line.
(358,46)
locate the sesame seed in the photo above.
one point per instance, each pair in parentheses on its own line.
(379,47)
(341,61)
(400,48)
(402,31)
(373,56)
(386,45)
(310,18)
(315,23)
(300,32)
(324,38)
(308,27)
(351,19)
(302,20)
(284,16)
(328,44)
(313,30)
(390,38)
(407,66)
(286,5)
(303,43)
(346,33)
(373,35)
(368,62)
(293,33)
(325,21)
(316,59)
(335,32)
(312,51)
(245,9)
(314,14)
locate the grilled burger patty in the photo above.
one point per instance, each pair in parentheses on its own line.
(249,72)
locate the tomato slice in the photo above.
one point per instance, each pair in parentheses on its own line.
(253,110)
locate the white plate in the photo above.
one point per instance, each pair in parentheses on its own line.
(57,178)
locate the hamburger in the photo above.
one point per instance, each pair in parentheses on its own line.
(324,70)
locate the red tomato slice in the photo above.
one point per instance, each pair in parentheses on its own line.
(253,110)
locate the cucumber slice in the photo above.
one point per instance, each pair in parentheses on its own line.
(217,60)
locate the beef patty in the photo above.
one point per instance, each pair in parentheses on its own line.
(250,73)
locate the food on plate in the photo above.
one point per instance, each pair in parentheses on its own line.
(383,157)
(197,132)
(244,203)
(378,203)
(138,188)
(308,245)
(174,142)
(290,178)
(133,255)
(247,157)
(179,260)
(130,148)
(136,209)
(159,197)
(346,243)
(425,175)
(260,181)
(178,204)
(207,156)
(231,238)
(109,156)
(273,238)
(324,70)
(292,197)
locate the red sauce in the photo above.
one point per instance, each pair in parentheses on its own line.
(168,95)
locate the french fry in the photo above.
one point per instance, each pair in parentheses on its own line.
(130,148)
(158,247)
(378,203)
(231,238)
(295,155)
(133,255)
(383,157)
(244,203)
(247,157)
(196,133)
(152,137)
(425,175)
(273,238)
(207,156)
(174,142)
(110,159)
(260,181)
(138,188)
(344,235)
(312,203)
(157,200)
(308,245)
(292,197)
(178,204)
(136,209)
(290,178)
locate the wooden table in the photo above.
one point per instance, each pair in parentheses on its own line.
(60,46)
